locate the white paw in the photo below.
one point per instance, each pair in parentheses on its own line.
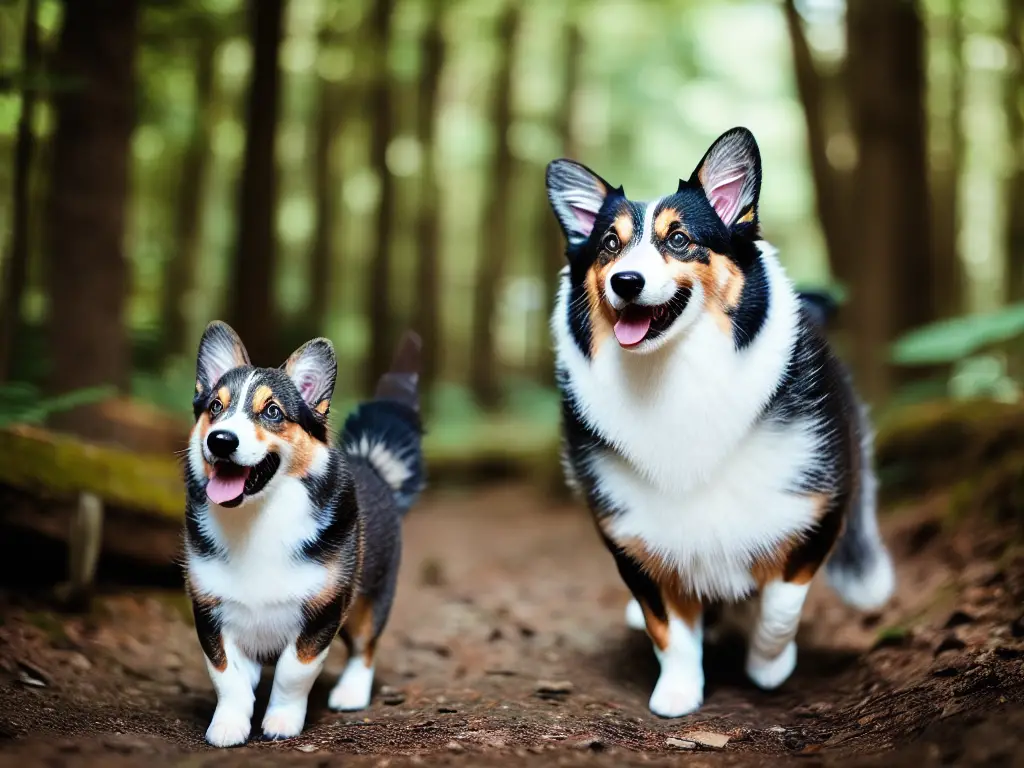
(635,616)
(284,722)
(675,695)
(228,729)
(771,673)
(353,689)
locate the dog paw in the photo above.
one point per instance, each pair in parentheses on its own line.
(771,673)
(283,722)
(353,689)
(228,729)
(675,697)
(635,616)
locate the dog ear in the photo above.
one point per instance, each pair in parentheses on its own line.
(313,368)
(577,195)
(730,175)
(220,350)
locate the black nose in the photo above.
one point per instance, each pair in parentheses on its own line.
(628,285)
(222,443)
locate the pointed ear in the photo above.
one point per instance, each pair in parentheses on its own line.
(220,350)
(313,368)
(730,175)
(577,195)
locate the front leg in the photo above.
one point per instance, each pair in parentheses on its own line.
(771,655)
(234,677)
(678,639)
(674,622)
(300,665)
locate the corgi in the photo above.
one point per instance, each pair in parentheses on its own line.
(714,435)
(290,540)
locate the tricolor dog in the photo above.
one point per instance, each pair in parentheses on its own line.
(290,538)
(715,436)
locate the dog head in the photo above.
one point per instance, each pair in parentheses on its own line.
(644,272)
(253,424)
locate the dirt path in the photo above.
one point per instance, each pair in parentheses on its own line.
(500,593)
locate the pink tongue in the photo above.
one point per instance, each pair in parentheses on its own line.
(632,327)
(222,488)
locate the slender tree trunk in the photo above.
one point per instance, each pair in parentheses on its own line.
(253,311)
(382,129)
(885,45)
(327,191)
(15,267)
(495,250)
(948,278)
(553,241)
(428,290)
(86,270)
(829,183)
(1015,116)
(180,272)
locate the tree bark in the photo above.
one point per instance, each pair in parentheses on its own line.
(829,183)
(15,268)
(948,278)
(382,336)
(327,191)
(1015,116)
(885,46)
(180,271)
(86,270)
(495,250)
(253,311)
(428,286)
(553,241)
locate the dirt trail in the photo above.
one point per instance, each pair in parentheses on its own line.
(501,596)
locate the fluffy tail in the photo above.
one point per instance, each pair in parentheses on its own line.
(386,431)
(860,568)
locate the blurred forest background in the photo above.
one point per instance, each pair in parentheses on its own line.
(351,168)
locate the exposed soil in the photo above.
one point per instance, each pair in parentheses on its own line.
(507,647)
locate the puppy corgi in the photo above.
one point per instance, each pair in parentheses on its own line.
(288,539)
(713,433)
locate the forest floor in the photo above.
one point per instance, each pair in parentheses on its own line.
(507,647)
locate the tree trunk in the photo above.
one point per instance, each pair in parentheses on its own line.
(885,46)
(495,251)
(382,129)
(180,271)
(15,268)
(253,311)
(948,278)
(829,183)
(86,270)
(1015,116)
(327,191)
(553,241)
(428,286)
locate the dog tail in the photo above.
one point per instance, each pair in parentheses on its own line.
(820,306)
(386,432)
(860,568)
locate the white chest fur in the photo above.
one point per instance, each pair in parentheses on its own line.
(694,475)
(259,581)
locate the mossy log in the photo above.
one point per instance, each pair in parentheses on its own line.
(974,448)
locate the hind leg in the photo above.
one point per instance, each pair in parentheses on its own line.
(353,689)
(771,654)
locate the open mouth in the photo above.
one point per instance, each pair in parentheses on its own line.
(638,323)
(232,482)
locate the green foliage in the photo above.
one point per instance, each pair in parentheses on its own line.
(22,403)
(953,340)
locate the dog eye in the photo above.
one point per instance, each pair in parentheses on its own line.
(216,407)
(611,243)
(273,413)
(677,241)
